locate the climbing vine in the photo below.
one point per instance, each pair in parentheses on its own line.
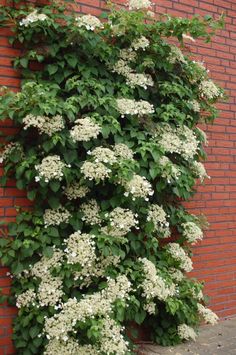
(107,148)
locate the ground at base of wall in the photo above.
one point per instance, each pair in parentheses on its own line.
(218,339)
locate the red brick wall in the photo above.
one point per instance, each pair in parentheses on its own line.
(215,257)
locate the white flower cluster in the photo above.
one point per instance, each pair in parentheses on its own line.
(32,17)
(97,304)
(103,155)
(89,22)
(140,43)
(41,269)
(209,90)
(139,4)
(80,248)
(176,55)
(91,212)
(56,217)
(50,291)
(138,186)
(150,307)
(68,347)
(132,107)
(50,168)
(122,67)
(192,232)
(176,274)
(120,222)
(76,190)
(8,149)
(180,140)
(186,333)
(208,315)
(122,151)
(26,298)
(157,216)
(170,171)
(84,130)
(195,105)
(47,125)
(112,340)
(153,285)
(95,171)
(96,268)
(178,254)
(199,170)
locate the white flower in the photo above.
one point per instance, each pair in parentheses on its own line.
(192,232)
(138,186)
(132,107)
(195,105)
(91,305)
(33,17)
(84,130)
(153,285)
(139,4)
(122,151)
(209,90)
(91,212)
(50,168)
(121,221)
(176,55)
(76,190)
(170,171)
(180,255)
(80,248)
(140,43)
(186,333)
(47,125)
(26,298)
(199,170)
(89,22)
(208,315)
(95,171)
(9,149)
(56,217)
(103,155)
(180,140)
(50,291)
(157,216)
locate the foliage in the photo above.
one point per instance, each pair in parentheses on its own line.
(107,149)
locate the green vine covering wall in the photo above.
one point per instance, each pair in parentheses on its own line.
(107,148)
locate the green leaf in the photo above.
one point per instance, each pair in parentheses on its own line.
(55,185)
(54,202)
(52,68)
